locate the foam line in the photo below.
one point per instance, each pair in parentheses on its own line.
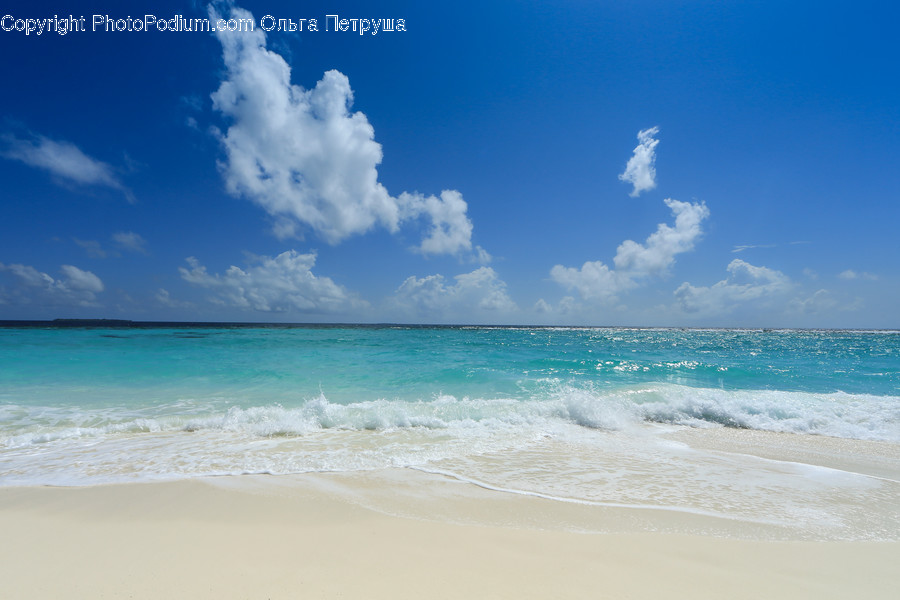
(678,509)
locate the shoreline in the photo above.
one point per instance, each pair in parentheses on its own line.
(330,536)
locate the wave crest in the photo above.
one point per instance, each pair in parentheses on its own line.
(839,414)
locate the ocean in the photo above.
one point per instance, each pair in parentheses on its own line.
(792,431)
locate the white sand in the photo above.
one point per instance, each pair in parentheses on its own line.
(314,537)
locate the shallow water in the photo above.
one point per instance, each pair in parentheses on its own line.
(588,416)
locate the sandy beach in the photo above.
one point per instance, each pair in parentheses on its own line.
(334,536)
(447,463)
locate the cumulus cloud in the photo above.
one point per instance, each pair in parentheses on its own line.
(131,241)
(309,161)
(594,280)
(479,292)
(745,283)
(281,284)
(63,160)
(658,252)
(640,171)
(75,287)
(450,231)
(633,261)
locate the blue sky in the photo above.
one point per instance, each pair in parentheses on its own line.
(653,163)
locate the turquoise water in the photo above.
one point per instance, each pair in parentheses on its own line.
(573,414)
(207,369)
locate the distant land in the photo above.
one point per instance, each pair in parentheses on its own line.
(63,323)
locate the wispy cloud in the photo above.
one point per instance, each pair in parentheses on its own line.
(309,161)
(820,301)
(130,241)
(741,248)
(164,298)
(640,171)
(92,247)
(850,275)
(63,160)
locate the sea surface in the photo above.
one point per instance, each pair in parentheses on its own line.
(592,416)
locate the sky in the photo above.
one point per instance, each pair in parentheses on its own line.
(704,163)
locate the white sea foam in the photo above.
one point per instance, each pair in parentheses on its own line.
(838,414)
(596,448)
(857,416)
(64,446)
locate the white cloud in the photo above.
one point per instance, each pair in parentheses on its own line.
(479,292)
(75,287)
(749,288)
(481,256)
(164,298)
(594,280)
(850,275)
(29,275)
(745,283)
(82,281)
(639,171)
(308,161)
(450,231)
(659,251)
(284,283)
(128,240)
(63,160)
(634,261)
